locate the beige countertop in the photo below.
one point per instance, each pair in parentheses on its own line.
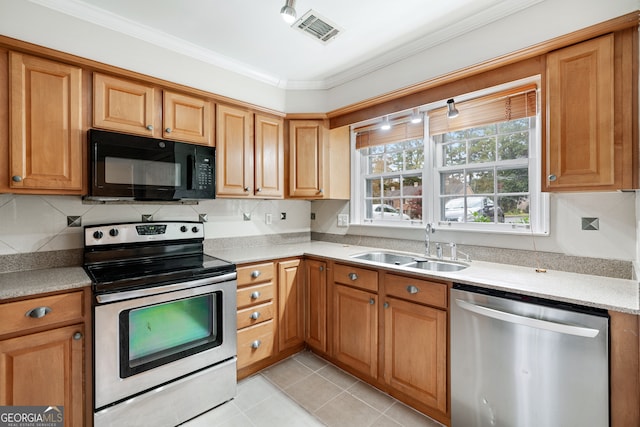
(595,291)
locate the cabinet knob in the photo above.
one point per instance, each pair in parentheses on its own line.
(149,127)
(258,189)
(353,276)
(320,191)
(256,344)
(168,130)
(247,188)
(38,312)
(412,289)
(255,315)
(386,305)
(372,301)
(255,274)
(552,177)
(77,336)
(16,178)
(321,268)
(255,295)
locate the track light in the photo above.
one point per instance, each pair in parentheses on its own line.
(416,117)
(452,111)
(288,12)
(385,123)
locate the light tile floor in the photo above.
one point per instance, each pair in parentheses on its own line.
(305,390)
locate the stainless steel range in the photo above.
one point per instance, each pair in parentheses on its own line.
(164,323)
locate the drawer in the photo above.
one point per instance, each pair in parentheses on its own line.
(60,308)
(255,294)
(355,276)
(255,273)
(416,290)
(255,314)
(255,343)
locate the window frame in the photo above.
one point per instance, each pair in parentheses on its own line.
(431,205)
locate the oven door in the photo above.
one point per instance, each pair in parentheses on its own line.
(147,340)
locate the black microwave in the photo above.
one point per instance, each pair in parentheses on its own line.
(125,166)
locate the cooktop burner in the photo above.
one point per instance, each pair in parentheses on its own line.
(136,255)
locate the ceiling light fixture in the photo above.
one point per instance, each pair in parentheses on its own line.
(288,11)
(385,123)
(416,117)
(452,111)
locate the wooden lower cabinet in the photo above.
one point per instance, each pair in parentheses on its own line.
(45,365)
(355,329)
(290,304)
(316,305)
(415,348)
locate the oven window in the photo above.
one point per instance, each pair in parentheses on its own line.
(154,335)
(119,170)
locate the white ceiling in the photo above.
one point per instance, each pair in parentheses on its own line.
(250,38)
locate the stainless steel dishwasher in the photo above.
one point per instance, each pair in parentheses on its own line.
(519,361)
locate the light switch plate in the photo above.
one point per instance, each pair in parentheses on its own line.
(246,216)
(343,220)
(590,224)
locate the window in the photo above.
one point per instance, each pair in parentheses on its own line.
(478,171)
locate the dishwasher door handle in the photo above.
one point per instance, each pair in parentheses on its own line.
(528,321)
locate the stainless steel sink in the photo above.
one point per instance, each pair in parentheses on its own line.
(437,265)
(411,261)
(385,257)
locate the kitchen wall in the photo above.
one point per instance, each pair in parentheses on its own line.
(616,239)
(39,223)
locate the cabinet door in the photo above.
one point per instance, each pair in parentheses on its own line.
(316,305)
(186,118)
(416,351)
(269,157)
(234,152)
(46,139)
(307,148)
(580,152)
(45,369)
(124,106)
(290,304)
(355,333)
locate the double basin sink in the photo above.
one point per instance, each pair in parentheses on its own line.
(411,261)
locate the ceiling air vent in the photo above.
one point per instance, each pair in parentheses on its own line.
(317,27)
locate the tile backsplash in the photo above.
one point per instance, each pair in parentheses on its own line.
(39,223)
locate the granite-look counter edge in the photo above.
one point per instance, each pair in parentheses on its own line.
(33,282)
(594,291)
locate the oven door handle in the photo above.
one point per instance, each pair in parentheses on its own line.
(155,290)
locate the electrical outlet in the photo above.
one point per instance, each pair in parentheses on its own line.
(313,216)
(267,218)
(343,220)
(283,216)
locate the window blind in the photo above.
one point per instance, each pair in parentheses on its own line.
(398,133)
(511,104)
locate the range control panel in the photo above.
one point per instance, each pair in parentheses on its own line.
(111,234)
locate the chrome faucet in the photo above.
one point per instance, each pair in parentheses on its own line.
(428,229)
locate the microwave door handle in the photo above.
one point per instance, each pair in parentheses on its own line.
(191,172)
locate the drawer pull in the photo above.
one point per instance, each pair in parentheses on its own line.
(412,289)
(255,315)
(353,276)
(255,295)
(255,274)
(256,344)
(38,312)
(77,336)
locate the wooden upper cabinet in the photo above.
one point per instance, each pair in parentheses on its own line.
(123,105)
(319,160)
(126,106)
(308,148)
(589,89)
(249,154)
(187,118)
(269,156)
(234,152)
(46,138)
